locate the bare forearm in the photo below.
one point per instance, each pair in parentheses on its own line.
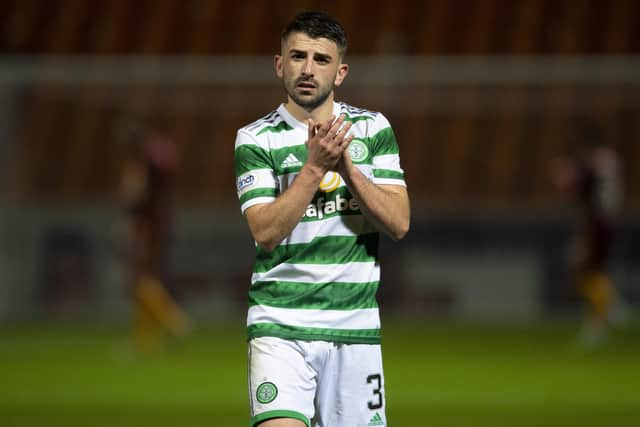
(386,207)
(271,223)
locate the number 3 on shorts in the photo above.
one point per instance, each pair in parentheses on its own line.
(375,378)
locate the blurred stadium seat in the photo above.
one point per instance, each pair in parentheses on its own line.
(490,148)
(482,96)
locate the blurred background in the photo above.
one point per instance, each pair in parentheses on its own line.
(481,320)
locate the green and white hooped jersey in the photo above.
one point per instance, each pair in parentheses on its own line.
(320,283)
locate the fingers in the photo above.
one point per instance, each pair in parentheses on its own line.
(346,142)
(322,129)
(336,128)
(311,125)
(340,136)
(327,141)
(333,131)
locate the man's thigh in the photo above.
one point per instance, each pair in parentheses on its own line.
(282,385)
(351,388)
(282,422)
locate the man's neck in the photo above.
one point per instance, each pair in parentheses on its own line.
(319,114)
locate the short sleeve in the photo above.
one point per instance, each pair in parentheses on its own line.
(386,154)
(255,178)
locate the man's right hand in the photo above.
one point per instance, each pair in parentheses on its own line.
(326,143)
(270,223)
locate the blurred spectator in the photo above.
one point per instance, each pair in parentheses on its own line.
(146,188)
(592,180)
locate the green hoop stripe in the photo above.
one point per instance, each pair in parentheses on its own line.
(340,196)
(282,126)
(250,157)
(384,142)
(386,173)
(279,414)
(258,192)
(346,336)
(279,156)
(322,250)
(355,119)
(323,296)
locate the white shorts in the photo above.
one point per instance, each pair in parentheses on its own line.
(323,384)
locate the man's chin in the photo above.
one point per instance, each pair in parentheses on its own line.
(309,102)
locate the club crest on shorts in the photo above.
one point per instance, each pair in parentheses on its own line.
(266,392)
(358,151)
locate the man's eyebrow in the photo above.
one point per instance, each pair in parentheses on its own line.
(317,55)
(324,56)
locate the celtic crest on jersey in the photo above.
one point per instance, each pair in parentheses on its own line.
(358,151)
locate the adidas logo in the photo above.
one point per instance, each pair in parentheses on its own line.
(376,420)
(290,161)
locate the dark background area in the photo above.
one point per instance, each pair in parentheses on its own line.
(483,95)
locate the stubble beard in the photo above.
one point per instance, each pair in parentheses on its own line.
(308,103)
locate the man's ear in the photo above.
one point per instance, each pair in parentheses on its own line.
(277,63)
(343,70)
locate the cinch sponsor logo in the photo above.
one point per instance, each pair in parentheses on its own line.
(323,207)
(245,180)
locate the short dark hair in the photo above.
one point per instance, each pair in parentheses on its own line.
(317,25)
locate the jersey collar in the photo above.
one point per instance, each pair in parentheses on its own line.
(297,124)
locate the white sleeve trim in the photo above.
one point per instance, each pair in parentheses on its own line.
(256,201)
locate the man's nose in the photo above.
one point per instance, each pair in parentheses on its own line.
(308,67)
